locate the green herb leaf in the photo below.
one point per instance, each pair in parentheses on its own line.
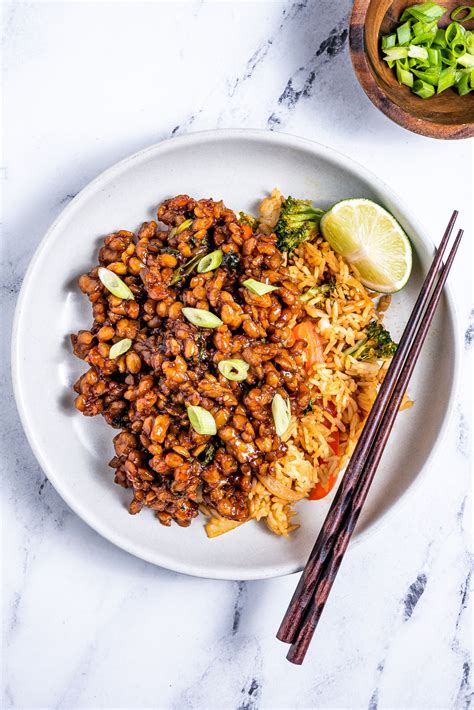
(309,408)
(231,261)
(208,454)
(185,269)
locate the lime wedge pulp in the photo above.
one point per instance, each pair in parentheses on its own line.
(370,239)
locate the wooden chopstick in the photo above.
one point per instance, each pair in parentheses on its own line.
(328,534)
(348,520)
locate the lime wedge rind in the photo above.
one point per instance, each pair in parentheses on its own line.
(372,240)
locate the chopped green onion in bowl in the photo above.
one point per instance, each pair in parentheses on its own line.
(235,370)
(259,288)
(429,59)
(201,420)
(114,284)
(119,348)
(210,262)
(281,411)
(201,318)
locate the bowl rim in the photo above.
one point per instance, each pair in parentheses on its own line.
(405,119)
(278,140)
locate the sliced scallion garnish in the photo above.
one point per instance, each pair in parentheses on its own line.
(404,76)
(424,90)
(201,318)
(210,262)
(119,348)
(281,411)
(424,12)
(186,268)
(404,33)
(446,79)
(258,287)
(235,370)
(466,60)
(462,8)
(201,420)
(417,52)
(114,284)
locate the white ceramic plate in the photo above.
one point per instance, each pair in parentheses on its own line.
(239,167)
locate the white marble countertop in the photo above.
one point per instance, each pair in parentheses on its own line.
(87,625)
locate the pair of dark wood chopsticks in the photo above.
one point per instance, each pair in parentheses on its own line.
(315,584)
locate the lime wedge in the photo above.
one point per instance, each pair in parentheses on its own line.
(368,237)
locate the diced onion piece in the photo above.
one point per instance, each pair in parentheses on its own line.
(201,318)
(258,287)
(210,262)
(120,348)
(201,420)
(219,526)
(114,284)
(235,370)
(281,410)
(278,489)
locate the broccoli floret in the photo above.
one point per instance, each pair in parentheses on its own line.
(376,345)
(324,289)
(245,218)
(297,223)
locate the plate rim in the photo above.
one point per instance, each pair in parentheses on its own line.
(277,138)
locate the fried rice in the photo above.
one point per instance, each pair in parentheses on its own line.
(345,387)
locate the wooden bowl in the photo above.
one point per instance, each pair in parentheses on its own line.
(445,116)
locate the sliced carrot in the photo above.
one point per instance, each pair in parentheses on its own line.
(333,441)
(247,230)
(333,438)
(319,491)
(306,330)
